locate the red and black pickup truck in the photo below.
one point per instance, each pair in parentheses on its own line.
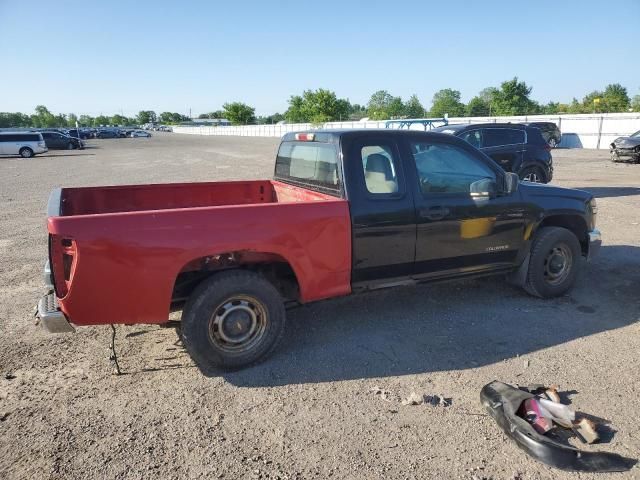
(346,211)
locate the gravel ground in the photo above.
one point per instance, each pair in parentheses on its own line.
(309,411)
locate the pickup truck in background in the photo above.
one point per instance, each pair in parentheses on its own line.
(347,211)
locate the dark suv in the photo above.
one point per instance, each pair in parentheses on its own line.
(59,141)
(516,148)
(550,132)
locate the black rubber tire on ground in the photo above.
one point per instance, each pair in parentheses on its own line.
(537,171)
(547,242)
(70,146)
(200,333)
(26,152)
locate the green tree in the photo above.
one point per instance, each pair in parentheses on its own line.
(513,99)
(167,117)
(270,119)
(43,118)
(592,102)
(382,105)
(635,103)
(17,119)
(85,120)
(616,98)
(60,120)
(575,106)
(295,113)
(118,120)
(357,112)
(477,107)
(239,113)
(413,108)
(146,116)
(488,94)
(101,120)
(317,106)
(72,118)
(447,101)
(551,108)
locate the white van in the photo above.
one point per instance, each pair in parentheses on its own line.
(25,144)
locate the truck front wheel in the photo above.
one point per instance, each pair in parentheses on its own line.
(232,320)
(554,262)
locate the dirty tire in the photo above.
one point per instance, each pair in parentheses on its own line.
(549,245)
(26,152)
(222,310)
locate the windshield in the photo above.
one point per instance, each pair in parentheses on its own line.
(637,134)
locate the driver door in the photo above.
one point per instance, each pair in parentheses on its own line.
(463,224)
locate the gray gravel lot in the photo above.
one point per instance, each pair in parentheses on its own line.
(309,412)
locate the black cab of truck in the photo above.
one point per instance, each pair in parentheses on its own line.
(429,206)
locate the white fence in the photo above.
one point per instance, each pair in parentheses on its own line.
(578,131)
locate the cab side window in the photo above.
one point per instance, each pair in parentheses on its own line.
(495,137)
(379,165)
(474,137)
(448,169)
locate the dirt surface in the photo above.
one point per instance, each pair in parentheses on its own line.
(310,411)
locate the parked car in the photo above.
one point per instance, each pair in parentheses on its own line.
(140,133)
(550,132)
(79,133)
(347,211)
(25,144)
(125,132)
(58,141)
(626,148)
(516,148)
(107,133)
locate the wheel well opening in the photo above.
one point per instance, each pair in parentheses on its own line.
(573,223)
(273,267)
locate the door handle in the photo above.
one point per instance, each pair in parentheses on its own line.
(434,213)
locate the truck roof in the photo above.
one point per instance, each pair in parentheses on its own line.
(332,135)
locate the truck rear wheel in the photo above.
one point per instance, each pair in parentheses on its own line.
(232,320)
(554,262)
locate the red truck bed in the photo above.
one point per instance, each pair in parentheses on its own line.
(133,198)
(133,241)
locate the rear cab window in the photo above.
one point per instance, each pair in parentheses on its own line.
(309,164)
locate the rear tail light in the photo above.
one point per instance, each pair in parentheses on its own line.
(305,137)
(62,253)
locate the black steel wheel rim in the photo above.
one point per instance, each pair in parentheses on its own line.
(557,264)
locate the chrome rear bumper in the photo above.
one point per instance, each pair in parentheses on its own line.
(51,317)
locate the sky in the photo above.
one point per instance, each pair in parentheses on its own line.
(108,57)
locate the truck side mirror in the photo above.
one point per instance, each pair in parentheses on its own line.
(485,187)
(511,182)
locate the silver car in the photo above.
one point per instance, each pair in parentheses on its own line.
(25,144)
